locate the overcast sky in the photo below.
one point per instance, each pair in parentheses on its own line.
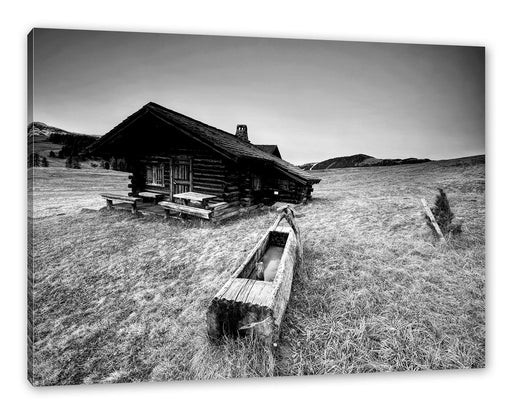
(315,99)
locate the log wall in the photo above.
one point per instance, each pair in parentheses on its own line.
(230,182)
(211,174)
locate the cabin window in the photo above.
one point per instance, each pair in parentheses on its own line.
(155,175)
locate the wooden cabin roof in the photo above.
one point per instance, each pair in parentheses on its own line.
(224,142)
(269,149)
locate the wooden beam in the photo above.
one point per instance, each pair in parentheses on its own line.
(433,220)
(190,175)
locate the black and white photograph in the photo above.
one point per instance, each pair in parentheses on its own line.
(207,207)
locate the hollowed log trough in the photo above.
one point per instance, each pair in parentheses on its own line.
(253,301)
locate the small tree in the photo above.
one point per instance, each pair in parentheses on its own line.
(52,154)
(121,164)
(69,162)
(75,163)
(443,215)
(106,165)
(113,163)
(44,162)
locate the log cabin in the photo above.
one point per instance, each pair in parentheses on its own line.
(170,153)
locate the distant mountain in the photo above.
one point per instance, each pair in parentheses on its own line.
(55,144)
(42,137)
(359,160)
(40,129)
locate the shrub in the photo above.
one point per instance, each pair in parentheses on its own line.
(72,162)
(94,165)
(121,165)
(113,163)
(52,154)
(34,160)
(444,216)
(44,162)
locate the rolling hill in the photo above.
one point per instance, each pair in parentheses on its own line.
(359,160)
(43,139)
(40,129)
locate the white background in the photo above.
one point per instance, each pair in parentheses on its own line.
(438,22)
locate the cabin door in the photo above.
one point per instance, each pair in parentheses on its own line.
(181,175)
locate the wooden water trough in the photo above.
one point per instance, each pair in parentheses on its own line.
(253,301)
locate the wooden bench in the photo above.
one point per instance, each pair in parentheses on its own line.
(156,197)
(119,197)
(186,198)
(183,209)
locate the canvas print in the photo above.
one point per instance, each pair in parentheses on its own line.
(210,207)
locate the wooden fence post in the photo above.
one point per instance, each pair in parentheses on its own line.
(433,220)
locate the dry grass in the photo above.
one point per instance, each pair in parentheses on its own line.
(60,190)
(124,299)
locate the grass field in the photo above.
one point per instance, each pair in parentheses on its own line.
(59,190)
(119,298)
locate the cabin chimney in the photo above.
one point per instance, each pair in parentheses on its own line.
(241,132)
